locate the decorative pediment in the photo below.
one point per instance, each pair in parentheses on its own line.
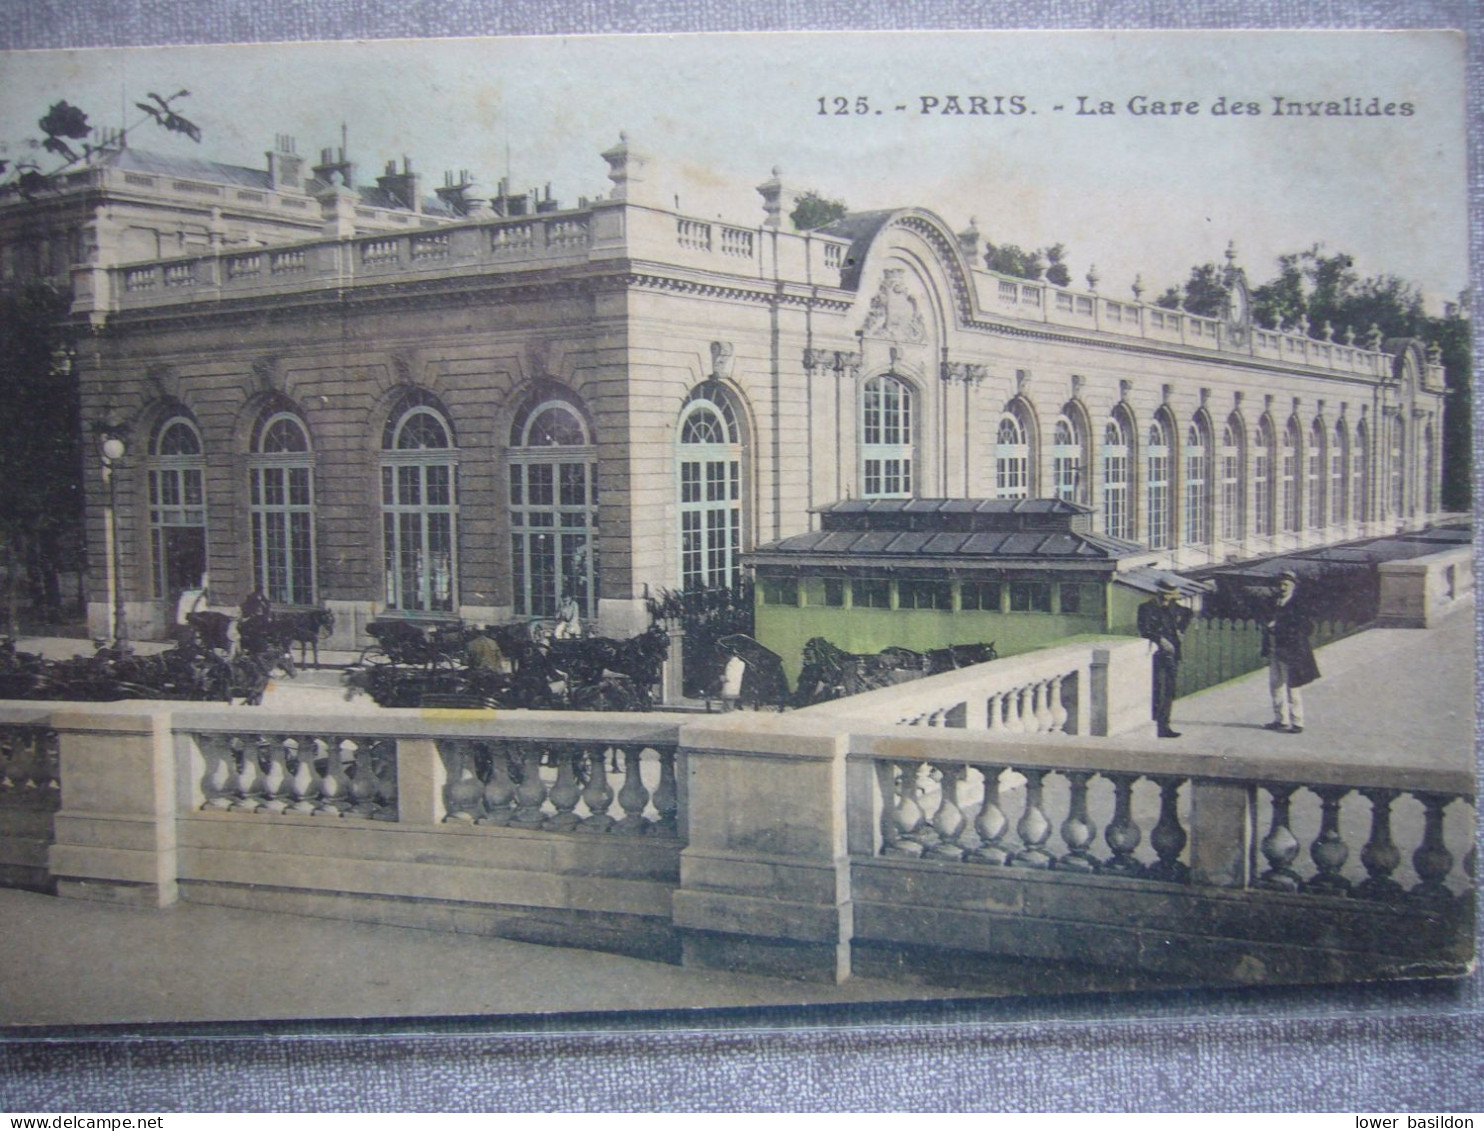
(894,312)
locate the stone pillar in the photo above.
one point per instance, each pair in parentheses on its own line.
(765,879)
(1220,834)
(115,829)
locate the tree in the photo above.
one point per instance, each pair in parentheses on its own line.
(1171,299)
(815,211)
(1011,259)
(41,444)
(1056,266)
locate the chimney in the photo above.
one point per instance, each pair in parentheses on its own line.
(402,187)
(285,167)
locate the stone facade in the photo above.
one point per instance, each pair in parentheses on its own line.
(489,416)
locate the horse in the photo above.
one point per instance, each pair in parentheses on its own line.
(305,628)
(211,629)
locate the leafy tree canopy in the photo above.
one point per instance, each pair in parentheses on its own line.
(815,211)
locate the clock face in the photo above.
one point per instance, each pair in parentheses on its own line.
(1239,304)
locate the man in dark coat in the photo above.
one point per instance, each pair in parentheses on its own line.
(1162,619)
(1290,656)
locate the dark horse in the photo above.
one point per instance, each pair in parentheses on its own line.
(304,627)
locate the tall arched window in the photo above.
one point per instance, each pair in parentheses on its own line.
(419,511)
(553,511)
(1360,474)
(1231,480)
(1314,476)
(1157,459)
(1339,464)
(709,459)
(886,439)
(1011,459)
(1288,486)
(281,504)
(1262,477)
(1066,460)
(1396,464)
(1197,483)
(177,507)
(1117,521)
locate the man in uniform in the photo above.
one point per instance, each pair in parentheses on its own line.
(1162,619)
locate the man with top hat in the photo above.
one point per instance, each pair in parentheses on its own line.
(1162,620)
(1290,656)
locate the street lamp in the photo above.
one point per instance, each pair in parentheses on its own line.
(111,452)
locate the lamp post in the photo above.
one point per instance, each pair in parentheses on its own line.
(111,451)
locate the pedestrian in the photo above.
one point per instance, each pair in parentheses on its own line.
(1162,620)
(1290,655)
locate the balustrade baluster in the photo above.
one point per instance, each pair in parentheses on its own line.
(886,786)
(1432,860)
(1059,713)
(364,794)
(1012,712)
(565,792)
(634,796)
(1168,838)
(597,795)
(1122,834)
(49,772)
(905,812)
(1040,708)
(1033,828)
(1077,831)
(1280,846)
(21,755)
(530,790)
(948,822)
(463,795)
(1027,710)
(667,795)
(499,790)
(990,824)
(304,785)
(249,778)
(1329,851)
(1380,856)
(218,783)
(384,758)
(334,784)
(9,742)
(276,776)
(994,709)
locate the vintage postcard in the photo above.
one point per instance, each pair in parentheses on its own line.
(631,523)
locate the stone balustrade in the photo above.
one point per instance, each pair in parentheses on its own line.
(1417,592)
(815,843)
(1061,690)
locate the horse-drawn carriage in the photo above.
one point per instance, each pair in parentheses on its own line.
(443,664)
(831,673)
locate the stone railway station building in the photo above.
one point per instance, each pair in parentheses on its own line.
(398,407)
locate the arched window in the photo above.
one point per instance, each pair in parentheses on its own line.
(281,505)
(1339,463)
(1314,476)
(1397,464)
(709,466)
(419,511)
(1117,521)
(886,439)
(1360,474)
(1066,460)
(553,511)
(1262,477)
(1289,483)
(1011,459)
(1197,483)
(1157,458)
(1231,480)
(177,507)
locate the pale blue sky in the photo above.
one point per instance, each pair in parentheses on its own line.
(1149,195)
